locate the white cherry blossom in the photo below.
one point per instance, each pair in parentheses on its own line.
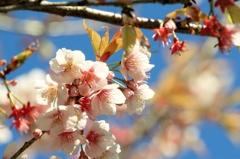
(57,119)
(81,117)
(67,64)
(136,98)
(51,91)
(111,153)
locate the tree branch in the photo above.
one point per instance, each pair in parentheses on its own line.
(23,148)
(87,3)
(95,14)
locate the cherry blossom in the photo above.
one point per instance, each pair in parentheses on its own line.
(212,26)
(84,89)
(85,103)
(178,46)
(235,36)
(31,112)
(99,139)
(67,64)
(161,34)
(111,153)
(170,26)
(94,74)
(136,98)
(225,39)
(37,133)
(135,65)
(105,100)
(82,117)
(21,124)
(68,142)
(50,90)
(223,4)
(24,115)
(57,119)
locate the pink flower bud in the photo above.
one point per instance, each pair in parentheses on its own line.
(110,75)
(37,133)
(170,26)
(2,62)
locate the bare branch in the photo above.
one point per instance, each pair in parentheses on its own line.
(117,4)
(23,148)
(95,14)
(87,3)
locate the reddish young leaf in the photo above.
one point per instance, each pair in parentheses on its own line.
(115,44)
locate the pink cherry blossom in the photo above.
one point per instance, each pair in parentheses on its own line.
(105,100)
(178,47)
(135,65)
(84,89)
(50,91)
(57,119)
(99,139)
(94,74)
(85,103)
(223,4)
(21,124)
(170,26)
(68,142)
(67,64)
(23,116)
(162,35)
(136,98)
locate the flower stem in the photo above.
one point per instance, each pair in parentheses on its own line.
(114,70)
(9,92)
(211,12)
(118,83)
(18,99)
(114,63)
(119,79)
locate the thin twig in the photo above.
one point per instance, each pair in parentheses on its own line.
(24,147)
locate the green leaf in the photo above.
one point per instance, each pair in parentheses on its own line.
(129,39)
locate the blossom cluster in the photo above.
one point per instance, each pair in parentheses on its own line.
(80,89)
(227,35)
(162,34)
